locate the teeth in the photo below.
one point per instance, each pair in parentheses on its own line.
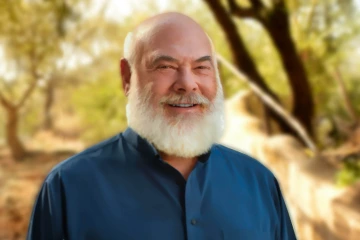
(182,105)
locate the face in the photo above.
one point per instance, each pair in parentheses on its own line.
(181,72)
(175,99)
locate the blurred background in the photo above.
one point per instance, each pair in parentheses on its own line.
(60,92)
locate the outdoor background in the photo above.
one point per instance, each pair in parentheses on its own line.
(60,89)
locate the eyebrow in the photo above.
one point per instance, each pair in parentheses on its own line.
(203,59)
(160,58)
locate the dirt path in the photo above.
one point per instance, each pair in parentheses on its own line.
(19,185)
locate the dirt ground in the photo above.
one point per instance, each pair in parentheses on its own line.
(20,182)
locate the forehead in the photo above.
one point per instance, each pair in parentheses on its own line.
(178,42)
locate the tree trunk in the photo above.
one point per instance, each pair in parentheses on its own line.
(16,147)
(242,58)
(278,27)
(49,102)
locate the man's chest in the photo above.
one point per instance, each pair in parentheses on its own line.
(154,210)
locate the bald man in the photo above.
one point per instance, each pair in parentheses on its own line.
(164,178)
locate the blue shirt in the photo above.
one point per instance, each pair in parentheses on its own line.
(121,189)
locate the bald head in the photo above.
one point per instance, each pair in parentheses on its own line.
(161,30)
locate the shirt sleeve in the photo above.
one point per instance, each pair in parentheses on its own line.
(47,219)
(285,230)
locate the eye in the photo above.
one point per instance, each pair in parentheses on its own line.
(202,67)
(166,67)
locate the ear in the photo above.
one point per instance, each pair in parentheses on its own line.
(125,72)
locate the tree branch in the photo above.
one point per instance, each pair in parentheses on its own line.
(27,93)
(31,87)
(241,12)
(4,101)
(270,102)
(311,16)
(279,5)
(257,4)
(345,95)
(8,89)
(11,12)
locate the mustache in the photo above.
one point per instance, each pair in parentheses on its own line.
(193,98)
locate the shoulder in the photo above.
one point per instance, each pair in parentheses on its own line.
(85,159)
(242,161)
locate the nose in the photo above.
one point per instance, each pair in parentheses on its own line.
(185,82)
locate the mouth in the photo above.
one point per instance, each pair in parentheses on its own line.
(183,105)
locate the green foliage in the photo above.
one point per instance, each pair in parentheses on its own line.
(30,116)
(101,106)
(350,171)
(2,123)
(323,31)
(28,42)
(38,40)
(265,56)
(37,33)
(31,43)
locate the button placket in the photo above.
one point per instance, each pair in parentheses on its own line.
(192,207)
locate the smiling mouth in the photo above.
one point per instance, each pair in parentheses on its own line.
(183,105)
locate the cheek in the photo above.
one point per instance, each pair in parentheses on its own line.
(158,90)
(161,83)
(209,90)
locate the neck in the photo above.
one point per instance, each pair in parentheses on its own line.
(183,165)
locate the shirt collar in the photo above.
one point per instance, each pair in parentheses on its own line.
(140,144)
(147,149)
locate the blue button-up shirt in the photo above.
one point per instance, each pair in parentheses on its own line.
(121,189)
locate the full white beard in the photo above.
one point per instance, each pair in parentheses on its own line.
(184,136)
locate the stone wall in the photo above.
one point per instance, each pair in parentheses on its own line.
(319,209)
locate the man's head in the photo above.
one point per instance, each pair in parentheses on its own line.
(170,76)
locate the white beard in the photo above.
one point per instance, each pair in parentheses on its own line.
(182,136)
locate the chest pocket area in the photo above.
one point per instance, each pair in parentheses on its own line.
(247,234)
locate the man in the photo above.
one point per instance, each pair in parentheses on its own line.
(164,177)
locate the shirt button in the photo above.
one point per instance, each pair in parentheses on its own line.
(193,221)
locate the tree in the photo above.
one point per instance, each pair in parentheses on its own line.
(327,33)
(275,21)
(17,39)
(29,37)
(78,35)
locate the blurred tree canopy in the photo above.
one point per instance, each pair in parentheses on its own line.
(29,36)
(35,37)
(275,21)
(60,61)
